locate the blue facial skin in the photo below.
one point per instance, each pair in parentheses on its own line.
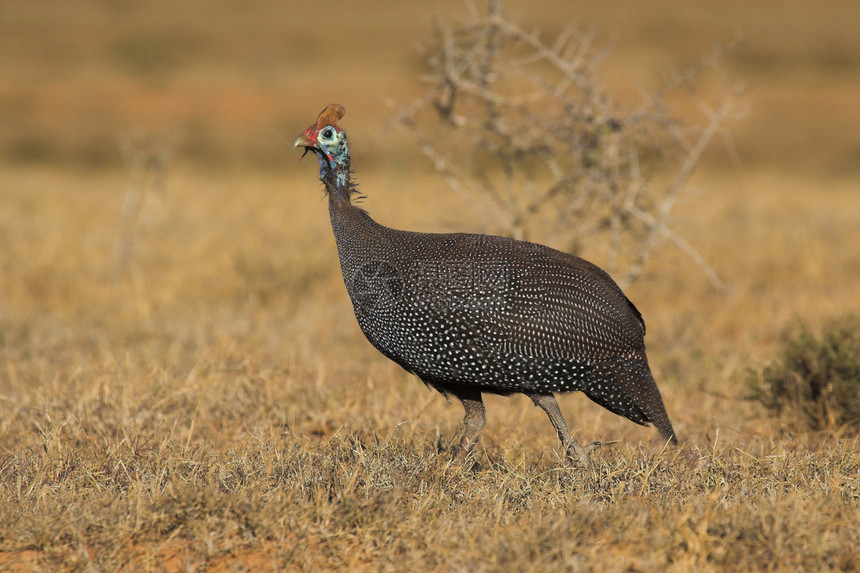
(322,159)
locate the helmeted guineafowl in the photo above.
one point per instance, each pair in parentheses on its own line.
(471,313)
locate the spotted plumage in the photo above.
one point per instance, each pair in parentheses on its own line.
(472,314)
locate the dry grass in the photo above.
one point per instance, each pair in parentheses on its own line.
(215,407)
(223,411)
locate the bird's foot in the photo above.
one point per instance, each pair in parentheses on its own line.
(456,440)
(579,454)
(462,449)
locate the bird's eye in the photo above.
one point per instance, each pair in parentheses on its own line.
(328,133)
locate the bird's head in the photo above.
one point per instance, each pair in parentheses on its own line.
(326,138)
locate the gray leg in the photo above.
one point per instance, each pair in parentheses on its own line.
(472,424)
(548,404)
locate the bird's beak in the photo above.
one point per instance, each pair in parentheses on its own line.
(308,140)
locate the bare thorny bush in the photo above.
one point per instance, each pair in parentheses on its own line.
(523,130)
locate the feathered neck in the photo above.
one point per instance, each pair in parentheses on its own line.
(336,176)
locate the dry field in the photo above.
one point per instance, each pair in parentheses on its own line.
(208,403)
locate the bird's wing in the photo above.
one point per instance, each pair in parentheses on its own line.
(561,311)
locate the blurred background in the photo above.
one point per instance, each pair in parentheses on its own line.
(78,76)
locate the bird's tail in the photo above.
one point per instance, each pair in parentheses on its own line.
(627,388)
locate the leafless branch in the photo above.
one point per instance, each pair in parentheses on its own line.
(524,131)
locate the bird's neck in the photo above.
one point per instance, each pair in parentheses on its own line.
(336,178)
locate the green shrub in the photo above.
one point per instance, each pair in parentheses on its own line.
(816,379)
